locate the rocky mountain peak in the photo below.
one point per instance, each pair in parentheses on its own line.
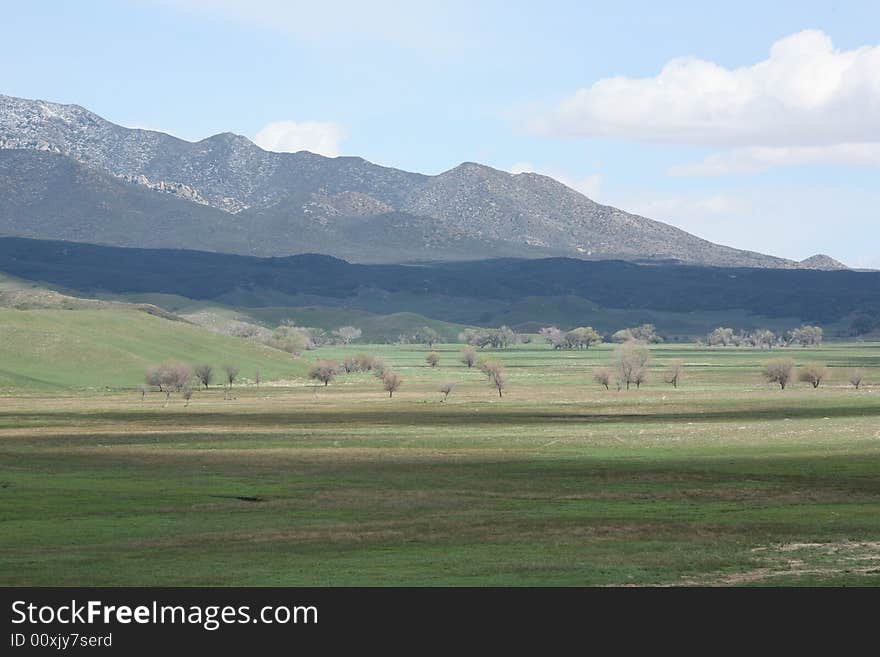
(296,202)
(821,261)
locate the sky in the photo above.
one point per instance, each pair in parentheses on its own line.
(752,124)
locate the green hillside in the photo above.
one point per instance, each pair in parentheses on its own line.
(112,347)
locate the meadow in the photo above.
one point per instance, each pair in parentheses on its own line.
(725,480)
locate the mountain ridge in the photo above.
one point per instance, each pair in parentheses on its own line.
(344,206)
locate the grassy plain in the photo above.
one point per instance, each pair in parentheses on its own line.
(55,349)
(725,480)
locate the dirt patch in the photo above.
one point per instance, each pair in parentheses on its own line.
(860,558)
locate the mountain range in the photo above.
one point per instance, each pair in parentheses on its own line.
(68,174)
(523,293)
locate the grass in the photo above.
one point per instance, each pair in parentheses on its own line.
(55,349)
(723,481)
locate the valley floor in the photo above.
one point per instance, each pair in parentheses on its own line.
(724,480)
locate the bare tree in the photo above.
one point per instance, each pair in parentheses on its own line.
(205,374)
(720,337)
(498,378)
(813,373)
(143,389)
(377,366)
(468,356)
(324,371)
(258,378)
(554,336)
(153,376)
(427,336)
(489,367)
(582,337)
(855,377)
(366,362)
(779,370)
(644,333)
(347,334)
(391,381)
(764,338)
(173,377)
(433,359)
(446,388)
(674,372)
(187,393)
(231,374)
(292,339)
(602,376)
(806,335)
(631,361)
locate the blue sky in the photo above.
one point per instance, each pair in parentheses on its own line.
(756,124)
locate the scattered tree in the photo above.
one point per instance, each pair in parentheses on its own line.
(554,336)
(806,335)
(468,356)
(347,334)
(582,337)
(391,381)
(292,339)
(498,378)
(720,337)
(433,359)
(644,333)
(324,371)
(205,374)
(231,372)
(855,377)
(674,372)
(153,376)
(779,370)
(602,376)
(170,377)
(489,367)
(813,373)
(631,361)
(446,388)
(499,338)
(361,363)
(377,366)
(427,336)
(764,339)
(367,362)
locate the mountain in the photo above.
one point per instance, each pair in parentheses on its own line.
(822,261)
(92,180)
(523,293)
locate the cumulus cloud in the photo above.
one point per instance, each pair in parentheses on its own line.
(806,93)
(589,186)
(322,137)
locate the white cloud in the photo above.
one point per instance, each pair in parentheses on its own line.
(589,186)
(754,159)
(322,137)
(806,93)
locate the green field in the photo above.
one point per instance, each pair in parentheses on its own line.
(726,480)
(52,349)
